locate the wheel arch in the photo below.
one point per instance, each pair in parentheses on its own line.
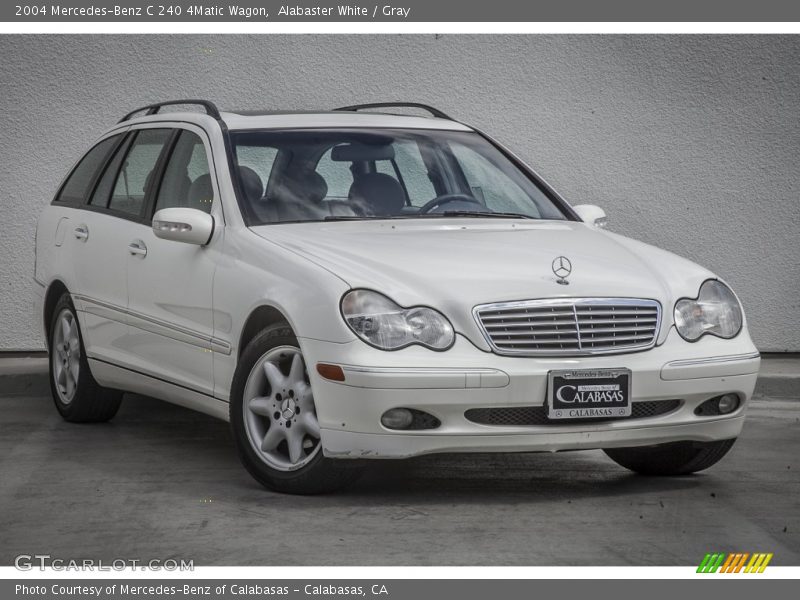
(55,290)
(260,318)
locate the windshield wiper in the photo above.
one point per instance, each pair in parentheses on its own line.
(351,218)
(447,213)
(480,215)
(374,217)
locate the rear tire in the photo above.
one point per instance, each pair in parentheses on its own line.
(76,394)
(273,419)
(677,458)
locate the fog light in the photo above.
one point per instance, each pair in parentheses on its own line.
(718,405)
(397,418)
(728,403)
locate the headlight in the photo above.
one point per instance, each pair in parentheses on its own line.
(383,323)
(716,311)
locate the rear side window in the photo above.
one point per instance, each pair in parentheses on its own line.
(137,172)
(79,183)
(102,191)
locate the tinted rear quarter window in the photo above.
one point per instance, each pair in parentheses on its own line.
(102,191)
(79,182)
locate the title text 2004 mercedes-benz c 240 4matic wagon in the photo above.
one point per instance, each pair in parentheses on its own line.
(353,284)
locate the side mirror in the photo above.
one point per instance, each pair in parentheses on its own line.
(187,225)
(591,214)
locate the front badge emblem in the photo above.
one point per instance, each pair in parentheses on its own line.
(562,268)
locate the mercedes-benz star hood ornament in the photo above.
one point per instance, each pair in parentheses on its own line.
(562,267)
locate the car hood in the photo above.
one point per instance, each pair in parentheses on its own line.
(456,264)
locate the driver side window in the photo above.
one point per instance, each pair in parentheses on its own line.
(187,181)
(136,174)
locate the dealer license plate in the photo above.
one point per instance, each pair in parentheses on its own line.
(589,394)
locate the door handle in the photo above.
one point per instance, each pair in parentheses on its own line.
(82,233)
(137,248)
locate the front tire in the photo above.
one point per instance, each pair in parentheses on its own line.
(677,458)
(273,419)
(77,396)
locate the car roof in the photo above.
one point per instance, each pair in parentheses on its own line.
(270,120)
(248,120)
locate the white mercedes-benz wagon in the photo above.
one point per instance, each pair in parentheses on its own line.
(352,285)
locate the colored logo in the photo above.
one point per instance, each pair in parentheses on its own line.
(734,562)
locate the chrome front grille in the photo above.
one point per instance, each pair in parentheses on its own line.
(570,326)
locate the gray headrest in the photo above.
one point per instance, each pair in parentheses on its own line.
(304,186)
(201,193)
(252,186)
(378,193)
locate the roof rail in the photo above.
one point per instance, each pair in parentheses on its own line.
(433,111)
(211,108)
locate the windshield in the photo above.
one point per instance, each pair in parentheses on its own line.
(352,174)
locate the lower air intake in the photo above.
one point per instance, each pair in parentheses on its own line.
(537,415)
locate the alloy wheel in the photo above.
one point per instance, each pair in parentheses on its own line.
(279,413)
(66,355)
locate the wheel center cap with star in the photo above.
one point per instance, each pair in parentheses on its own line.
(288,408)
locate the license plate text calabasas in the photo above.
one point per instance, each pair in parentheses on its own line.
(589,394)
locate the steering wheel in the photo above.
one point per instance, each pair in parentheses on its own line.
(447,199)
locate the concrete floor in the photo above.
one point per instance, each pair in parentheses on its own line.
(163,482)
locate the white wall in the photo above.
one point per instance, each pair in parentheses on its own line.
(691,143)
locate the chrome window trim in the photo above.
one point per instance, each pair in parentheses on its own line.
(572,303)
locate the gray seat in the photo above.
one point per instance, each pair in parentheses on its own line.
(252,186)
(377,194)
(201,194)
(299,195)
(173,192)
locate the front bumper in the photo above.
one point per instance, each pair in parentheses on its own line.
(447,384)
